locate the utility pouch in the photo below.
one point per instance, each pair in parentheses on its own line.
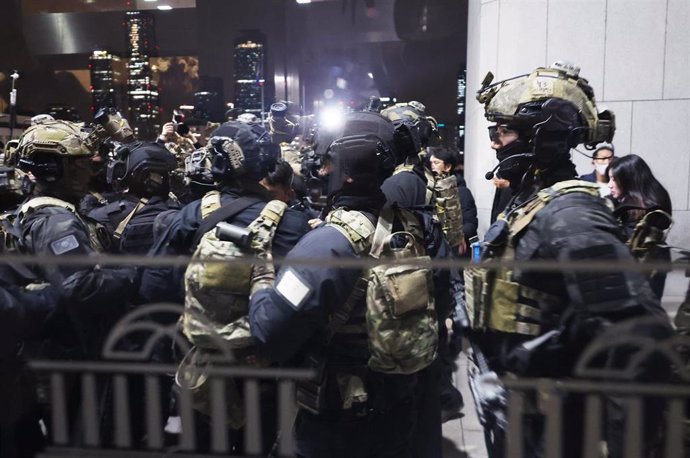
(311,394)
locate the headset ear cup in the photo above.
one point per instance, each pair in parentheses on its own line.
(115,172)
(219,166)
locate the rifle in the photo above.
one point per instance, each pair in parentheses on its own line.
(487,390)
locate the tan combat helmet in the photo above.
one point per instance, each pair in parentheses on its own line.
(44,148)
(512,101)
(61,138)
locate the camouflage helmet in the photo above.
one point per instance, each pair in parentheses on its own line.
(61,138)
(518,101)
(43,148)
(407,110)
(412,113)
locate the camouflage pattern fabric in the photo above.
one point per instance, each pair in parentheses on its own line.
(217,294)
(493,299)
(448,209)
(54,137)
(402,329)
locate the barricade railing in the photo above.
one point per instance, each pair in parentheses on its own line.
(117,368)
(118,373)
(546,398)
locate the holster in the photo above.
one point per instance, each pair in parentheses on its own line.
(311,394)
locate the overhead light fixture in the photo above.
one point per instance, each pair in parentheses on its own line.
(164,7)
(302,2)
(149,1)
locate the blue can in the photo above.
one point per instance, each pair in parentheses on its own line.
(476,251)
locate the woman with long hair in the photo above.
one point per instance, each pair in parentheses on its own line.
(636,193)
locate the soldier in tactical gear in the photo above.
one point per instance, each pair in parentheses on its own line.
(314,316)
(407,186)
(142,171)
(48,224)
(531,323)
(236,177)
(242,155)
(410,186)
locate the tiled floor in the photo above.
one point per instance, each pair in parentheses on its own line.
(464,437)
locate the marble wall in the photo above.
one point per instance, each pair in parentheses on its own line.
(635,54)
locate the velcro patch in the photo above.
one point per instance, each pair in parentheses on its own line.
(291,288)
(65,244)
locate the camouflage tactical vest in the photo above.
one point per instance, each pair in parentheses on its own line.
(401,323)
(493,299)
(448,209)
(215,318)
(217,293)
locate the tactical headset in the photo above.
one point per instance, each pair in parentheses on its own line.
(150,174)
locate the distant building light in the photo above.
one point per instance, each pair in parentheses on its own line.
(164,7)
(186,107)
(441,125)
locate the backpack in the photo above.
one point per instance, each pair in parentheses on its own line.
(402,328)
(401,318)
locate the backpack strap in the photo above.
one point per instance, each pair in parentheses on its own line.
(123,224)
(403,168)
(264,227)
(430,186)
(210,203)
(384,229)
(353,225)
(521,217)
(223,213)
(43,201)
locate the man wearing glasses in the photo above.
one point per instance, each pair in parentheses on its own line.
(601,158)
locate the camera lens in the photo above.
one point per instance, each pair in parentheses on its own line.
(279,109)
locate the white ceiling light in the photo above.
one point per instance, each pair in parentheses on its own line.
(303,1)
(164,7)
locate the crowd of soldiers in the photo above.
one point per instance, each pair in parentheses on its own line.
(364,190)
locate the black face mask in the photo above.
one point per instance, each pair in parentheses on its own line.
(513,169)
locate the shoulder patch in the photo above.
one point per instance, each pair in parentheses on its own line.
(293,289)
(64,244)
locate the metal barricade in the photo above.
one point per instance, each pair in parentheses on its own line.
(84,437)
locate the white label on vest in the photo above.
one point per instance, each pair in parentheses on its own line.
(63,245)
(292,289)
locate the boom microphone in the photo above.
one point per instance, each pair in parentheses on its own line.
(490,174)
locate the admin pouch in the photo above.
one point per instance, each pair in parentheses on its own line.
(494,300)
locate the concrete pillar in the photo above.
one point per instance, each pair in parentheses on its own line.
(634,54)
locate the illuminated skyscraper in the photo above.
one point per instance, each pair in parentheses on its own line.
(461,86)
(108,81)
(249,60)
(142,84)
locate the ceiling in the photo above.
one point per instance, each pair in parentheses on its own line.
(71,6)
